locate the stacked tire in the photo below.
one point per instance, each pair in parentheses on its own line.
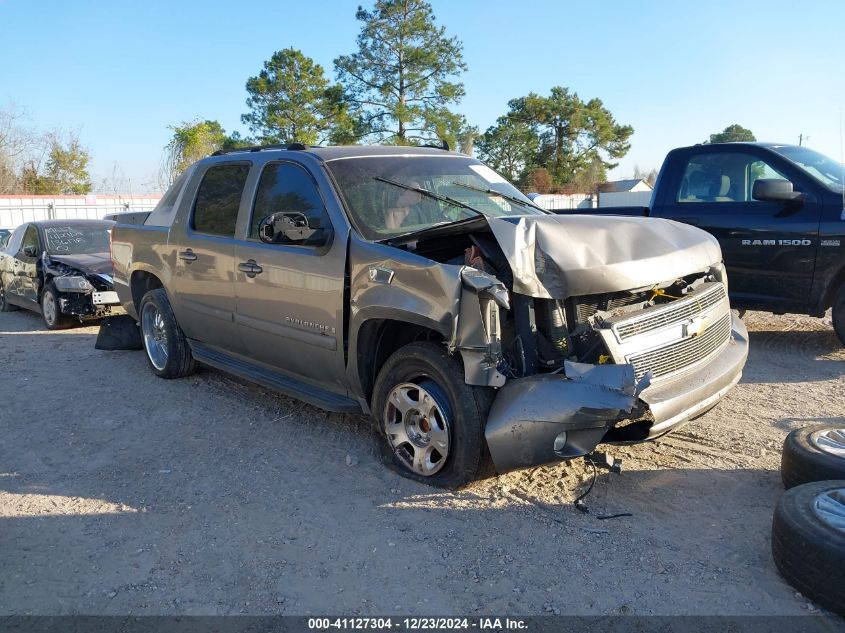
(808,529)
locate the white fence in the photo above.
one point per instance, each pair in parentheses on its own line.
(559,201)
(15,210)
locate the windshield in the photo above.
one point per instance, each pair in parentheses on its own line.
(394,195)
(77,239)
(817,165)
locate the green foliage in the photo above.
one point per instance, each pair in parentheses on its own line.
(573,140)
(191,141)
(66,170)
(733,134)
(509,147)
(291,100)
(403,78)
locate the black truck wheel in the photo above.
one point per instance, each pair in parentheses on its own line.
(814,453)
(839,313)
(808,541)
(431,421)
(51,311)
(168,353)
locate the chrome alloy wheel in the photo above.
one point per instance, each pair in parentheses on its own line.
(830,441)
(417,426)
(155,335)
(830,508)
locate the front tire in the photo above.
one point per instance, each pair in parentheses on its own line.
(839,313)
(431,421)
(51,311)
(165,345)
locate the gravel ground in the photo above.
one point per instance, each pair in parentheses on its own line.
(122,493)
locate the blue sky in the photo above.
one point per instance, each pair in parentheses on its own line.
(119,73)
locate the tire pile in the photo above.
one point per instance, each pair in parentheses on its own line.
(808,529)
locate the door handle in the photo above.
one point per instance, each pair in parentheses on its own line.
(188,255)
(251,268)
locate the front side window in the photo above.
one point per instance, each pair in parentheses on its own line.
(218,199)
(383,192)
(288,188)
(30,238)
(727,177)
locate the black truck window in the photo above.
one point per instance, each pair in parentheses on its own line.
(727,177)
(288,187)
(218,199)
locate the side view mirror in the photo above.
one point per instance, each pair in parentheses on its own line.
(30,251)
(287,226)
(774,190)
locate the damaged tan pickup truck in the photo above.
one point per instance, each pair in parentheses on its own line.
(417,285)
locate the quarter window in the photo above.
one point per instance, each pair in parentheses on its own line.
(218,199)
(286,187)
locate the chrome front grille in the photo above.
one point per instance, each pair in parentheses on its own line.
(672,313)
(679,355)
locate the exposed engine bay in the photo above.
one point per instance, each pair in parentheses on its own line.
(579,357)
(83,283)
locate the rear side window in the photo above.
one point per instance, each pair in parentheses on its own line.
(285,187)
(218,199)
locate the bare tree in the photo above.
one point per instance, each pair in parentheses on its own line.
(16,140)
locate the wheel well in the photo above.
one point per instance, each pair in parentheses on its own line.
(378,339)
(140,284)
(830,293)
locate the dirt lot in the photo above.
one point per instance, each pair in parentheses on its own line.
(123,493)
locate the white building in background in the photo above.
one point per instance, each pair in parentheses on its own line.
(15,209)
(625,193)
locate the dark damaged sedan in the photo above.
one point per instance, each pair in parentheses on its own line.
(61,269)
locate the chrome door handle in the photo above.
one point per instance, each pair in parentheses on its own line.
(251,268)
(188,255)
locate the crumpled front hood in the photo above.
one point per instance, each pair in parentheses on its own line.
(559,256)
(92,263)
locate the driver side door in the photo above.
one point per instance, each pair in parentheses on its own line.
(289,294)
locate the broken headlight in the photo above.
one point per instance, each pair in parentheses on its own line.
(72,283)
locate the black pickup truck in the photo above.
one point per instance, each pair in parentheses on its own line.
(778,212)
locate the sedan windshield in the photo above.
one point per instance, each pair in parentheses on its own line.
(827,170)
(396,195)
(77,239)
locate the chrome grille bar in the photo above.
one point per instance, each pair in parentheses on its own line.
(680,355)
(671,313)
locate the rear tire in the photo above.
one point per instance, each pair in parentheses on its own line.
(808,541)
(165,345)
(51,311)
(839,313)
(430,420)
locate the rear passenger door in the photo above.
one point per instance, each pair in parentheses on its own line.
(768,247)
(205,258)
(289,295)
